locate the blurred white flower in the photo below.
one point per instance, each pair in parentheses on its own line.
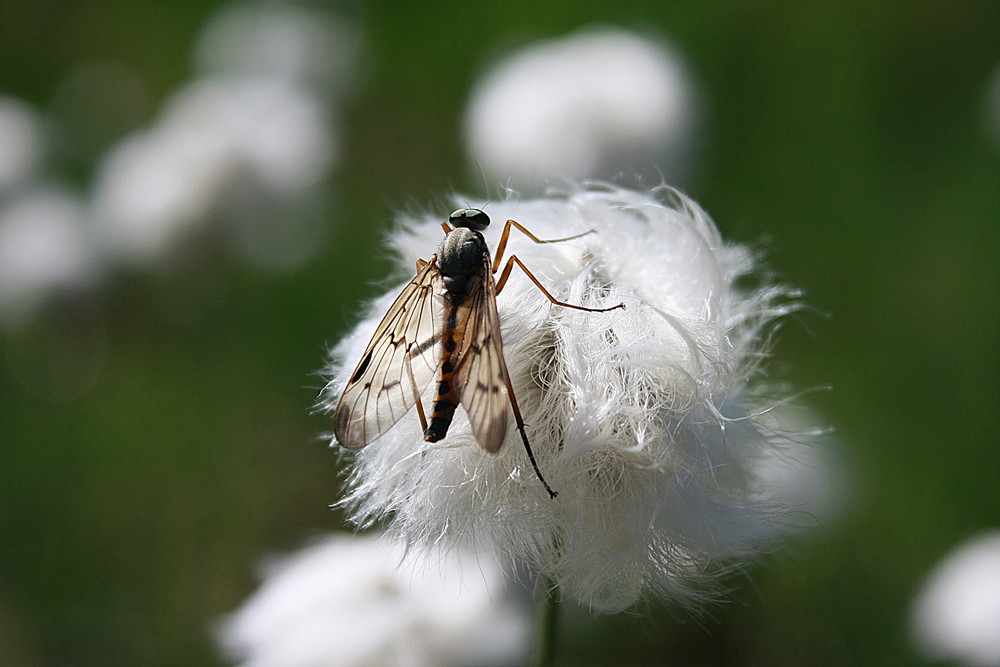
(294,43)
(993,106)
(600,102)
(213,136)
(43,247)
(957,614)
(271,127)
(652,423)
(21,141)
(245,146)
(364,601)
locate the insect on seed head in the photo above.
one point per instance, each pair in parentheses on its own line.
(470,218)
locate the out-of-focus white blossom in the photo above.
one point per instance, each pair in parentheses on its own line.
(364,601)
(43,247)
(652,423)
(598,103)
(21,142)
(243,148)
(293,43)
(957,614)
(213,136)
(993,106)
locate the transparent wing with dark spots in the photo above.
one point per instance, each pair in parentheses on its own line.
(400,361)
(481,378)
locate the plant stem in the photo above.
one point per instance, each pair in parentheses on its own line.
(547,620)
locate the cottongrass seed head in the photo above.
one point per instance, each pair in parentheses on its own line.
(654,423)
(956,614)
(363,600)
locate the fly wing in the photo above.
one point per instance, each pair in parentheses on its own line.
(397,365)
(481,378)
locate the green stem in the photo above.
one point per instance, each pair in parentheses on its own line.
(547,621)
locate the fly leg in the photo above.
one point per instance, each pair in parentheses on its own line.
(502,245)
(527,447)
(416,392)
(520,428)
(505,274)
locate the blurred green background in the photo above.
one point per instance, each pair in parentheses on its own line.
(850,139)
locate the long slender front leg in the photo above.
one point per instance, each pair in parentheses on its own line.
(502,245)
(506,274)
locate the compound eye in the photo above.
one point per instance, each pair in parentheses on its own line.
(470,218)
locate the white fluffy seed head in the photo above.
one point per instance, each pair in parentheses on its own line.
(601,101)
(363,600)
(956,615)
(651,422)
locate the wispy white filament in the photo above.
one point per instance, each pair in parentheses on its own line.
(654,423)
(352,601)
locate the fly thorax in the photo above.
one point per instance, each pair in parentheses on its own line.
(460,260)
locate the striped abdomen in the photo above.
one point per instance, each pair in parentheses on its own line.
(447,398)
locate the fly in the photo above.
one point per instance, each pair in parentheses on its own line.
(444,325)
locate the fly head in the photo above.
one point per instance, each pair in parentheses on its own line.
(470,218)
